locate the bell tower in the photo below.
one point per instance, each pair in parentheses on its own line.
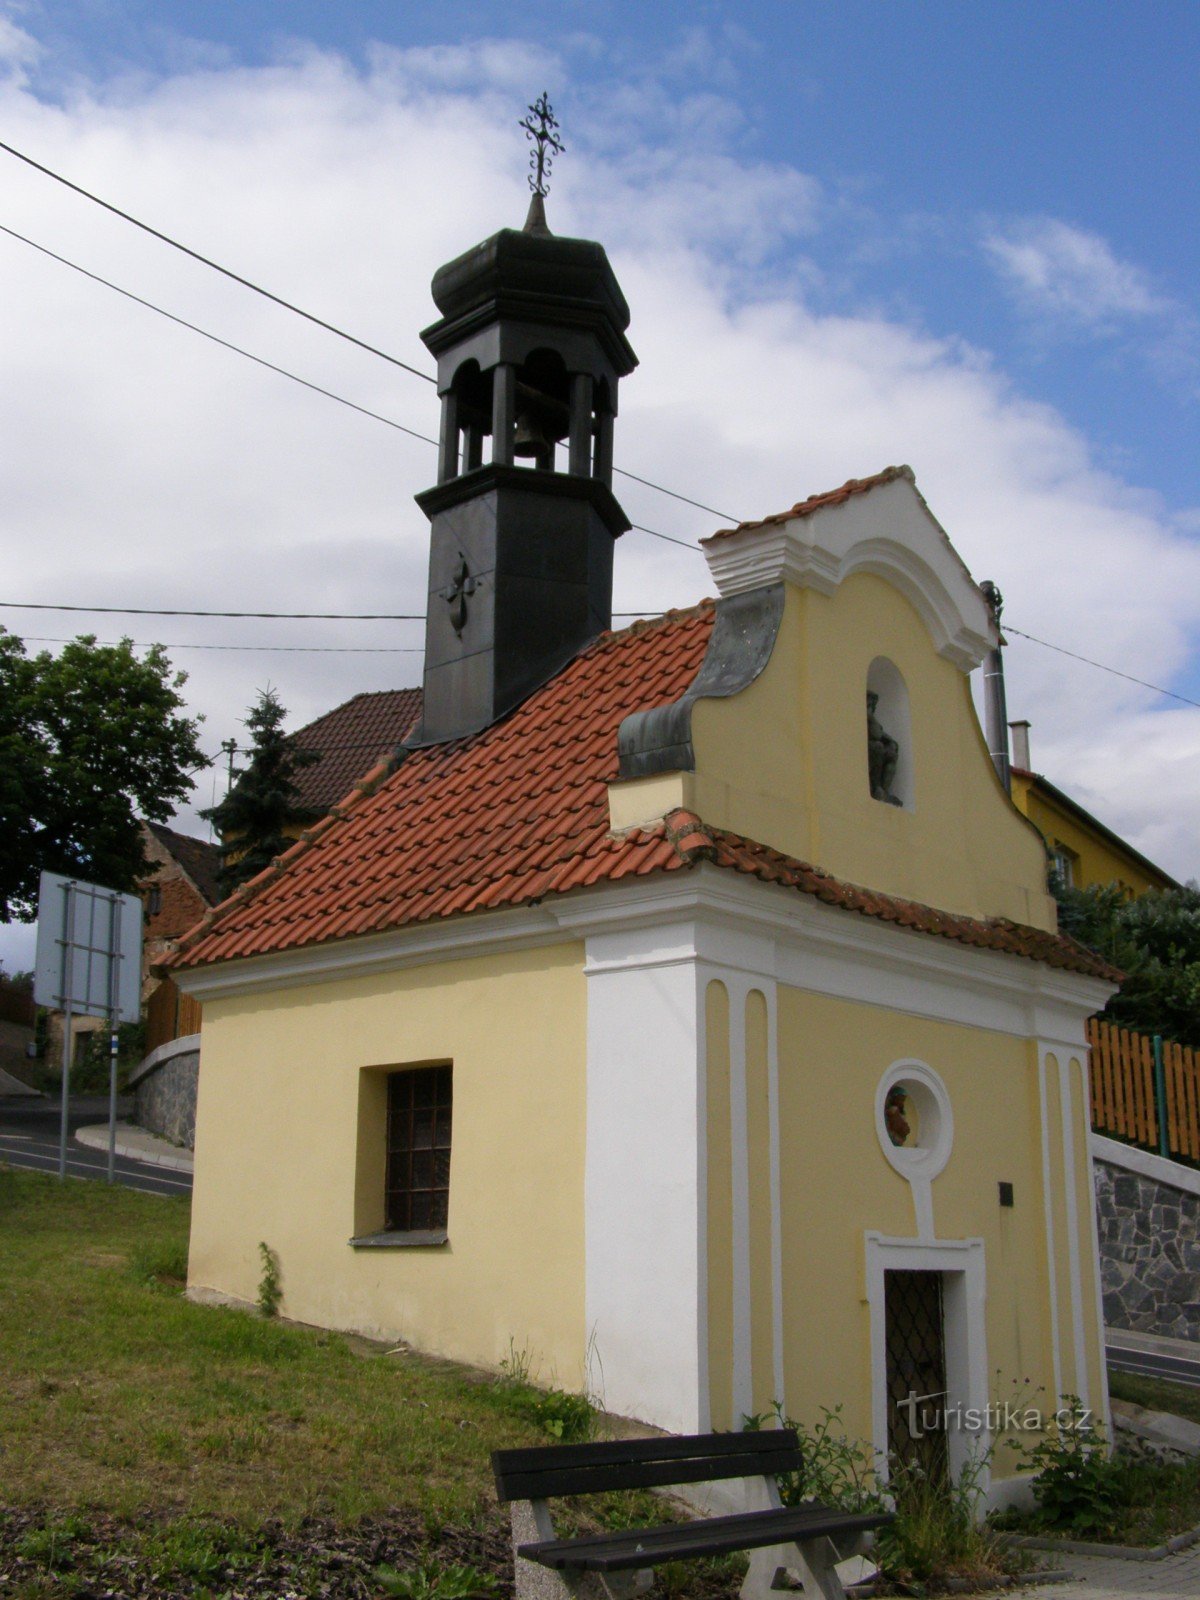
(530,348)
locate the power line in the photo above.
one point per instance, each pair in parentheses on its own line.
(225,344)
(284,372)
(272,649)
(287,305)
(699,504)
(206,261)
(1087,661)
(287,616)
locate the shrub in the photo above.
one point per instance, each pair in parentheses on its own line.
(838,1471)
(1079,1486)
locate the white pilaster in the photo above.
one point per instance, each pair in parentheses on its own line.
(642,1187)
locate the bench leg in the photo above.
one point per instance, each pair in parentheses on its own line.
(531,1522)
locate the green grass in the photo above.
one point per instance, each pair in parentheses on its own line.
(117,1393)
(1155,1394)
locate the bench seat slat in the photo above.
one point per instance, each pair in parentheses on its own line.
(543,1472)
(648,1547)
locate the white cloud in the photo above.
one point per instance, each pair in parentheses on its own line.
(143,466)
(1058,270)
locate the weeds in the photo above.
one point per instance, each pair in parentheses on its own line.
(568,1416)
(270,1292)
(195,1550)
(52,1545)
(837,1471)
(937,1531)
(430,1581)
(160,1263)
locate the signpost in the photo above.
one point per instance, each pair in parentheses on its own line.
(89,963)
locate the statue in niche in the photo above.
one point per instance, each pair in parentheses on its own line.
(883,753)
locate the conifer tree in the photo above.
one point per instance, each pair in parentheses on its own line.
(260,816)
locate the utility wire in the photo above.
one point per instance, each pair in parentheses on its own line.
(206,261)
(699,504)
(272,649)
(287,306)
(284,372)
(215,338)
(1087,661)
(288,616)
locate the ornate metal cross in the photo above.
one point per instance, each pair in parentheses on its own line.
(544,135)
(458,592)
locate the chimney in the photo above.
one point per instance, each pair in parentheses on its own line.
(1020,745)
(995,711)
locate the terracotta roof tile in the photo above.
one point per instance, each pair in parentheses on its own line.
(520,811)
(818,502)
(350,739)
(198,858)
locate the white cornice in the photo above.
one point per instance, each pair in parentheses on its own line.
(887,530)
(734,921)
(480,935)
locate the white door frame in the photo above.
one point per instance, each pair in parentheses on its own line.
(964,1286)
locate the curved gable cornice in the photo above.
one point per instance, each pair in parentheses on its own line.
(888,531)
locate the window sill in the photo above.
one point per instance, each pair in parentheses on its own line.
(418,1238)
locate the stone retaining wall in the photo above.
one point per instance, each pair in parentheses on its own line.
(1149,1231)
(164,1089)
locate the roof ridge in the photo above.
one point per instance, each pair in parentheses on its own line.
(817,502)
(646,624)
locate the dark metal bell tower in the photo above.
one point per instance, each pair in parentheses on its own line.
(530,348)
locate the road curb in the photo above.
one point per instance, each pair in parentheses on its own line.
(137,1145)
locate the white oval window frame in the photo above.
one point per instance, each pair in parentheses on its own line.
(923,1161)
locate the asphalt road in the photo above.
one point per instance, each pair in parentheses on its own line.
(29,1139)
(1153,1364)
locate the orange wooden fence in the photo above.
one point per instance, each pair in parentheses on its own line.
(170,1015)
(1125,1097)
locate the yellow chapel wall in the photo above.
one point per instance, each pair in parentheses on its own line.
(835,1184)
(289,1111)
(784,761)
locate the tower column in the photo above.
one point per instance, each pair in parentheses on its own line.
(448,444)
(580,460)
(604,448)
(504,414)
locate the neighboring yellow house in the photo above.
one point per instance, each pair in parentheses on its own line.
(1081,850)
(663,1012)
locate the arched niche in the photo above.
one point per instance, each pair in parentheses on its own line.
(891,712)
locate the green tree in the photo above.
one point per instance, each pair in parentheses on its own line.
(1155,940)
(262,813)
(89,740)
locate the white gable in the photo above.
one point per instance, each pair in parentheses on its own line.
(886,529)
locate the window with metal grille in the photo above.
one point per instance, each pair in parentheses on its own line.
(418,1149)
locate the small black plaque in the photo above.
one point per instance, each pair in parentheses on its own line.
(1006,1194)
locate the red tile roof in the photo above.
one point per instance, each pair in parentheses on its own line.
(818,502)
(520,811)
(200,859)
(350,740)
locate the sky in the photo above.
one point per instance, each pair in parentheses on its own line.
(851,234)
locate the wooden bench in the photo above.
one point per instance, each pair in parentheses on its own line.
(806,1540)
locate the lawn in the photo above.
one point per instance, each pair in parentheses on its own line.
(152,1447)
(118,1392)
(1155,1394)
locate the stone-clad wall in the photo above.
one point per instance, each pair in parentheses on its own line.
(166,1096)
(1149,1248)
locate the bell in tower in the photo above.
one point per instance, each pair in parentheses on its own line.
(530,348)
